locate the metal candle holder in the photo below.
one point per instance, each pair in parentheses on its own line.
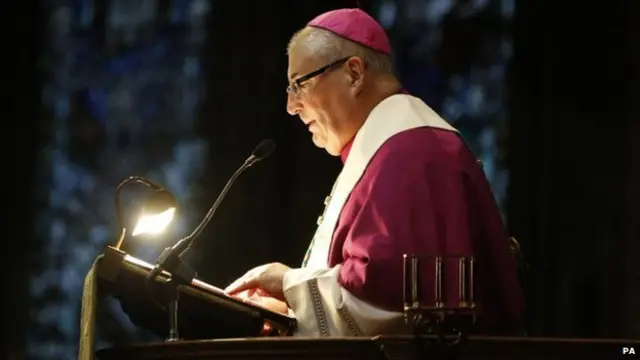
(442,318)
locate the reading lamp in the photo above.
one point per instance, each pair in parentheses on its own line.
(157,212)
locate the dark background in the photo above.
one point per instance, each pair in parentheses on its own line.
(572,155)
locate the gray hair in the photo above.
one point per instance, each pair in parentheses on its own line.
(331,47)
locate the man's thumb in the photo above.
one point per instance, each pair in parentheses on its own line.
(238,286)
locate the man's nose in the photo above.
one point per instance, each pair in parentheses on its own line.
(293,104)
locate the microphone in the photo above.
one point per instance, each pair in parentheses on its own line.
(261,151)
(170,259)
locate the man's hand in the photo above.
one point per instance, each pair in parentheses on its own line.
(261,297)
(267,278)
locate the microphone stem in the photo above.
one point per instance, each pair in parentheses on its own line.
(171,256)
(186,243)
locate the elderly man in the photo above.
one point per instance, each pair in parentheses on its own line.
(409,186)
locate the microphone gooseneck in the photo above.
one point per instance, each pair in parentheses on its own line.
(261,152)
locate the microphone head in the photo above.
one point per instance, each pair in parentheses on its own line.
(263,150)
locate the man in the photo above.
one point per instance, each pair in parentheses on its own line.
(409,186)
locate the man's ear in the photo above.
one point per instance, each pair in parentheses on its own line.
(355,69)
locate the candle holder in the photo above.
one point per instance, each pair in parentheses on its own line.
(451,312)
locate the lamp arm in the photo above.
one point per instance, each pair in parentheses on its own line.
(119,217)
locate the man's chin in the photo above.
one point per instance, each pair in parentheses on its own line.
(323,145)
(332,152)
(318,143)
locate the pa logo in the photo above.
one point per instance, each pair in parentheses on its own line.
(628,351)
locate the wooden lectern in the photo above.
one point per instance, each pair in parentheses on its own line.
(378,348)
(206,312)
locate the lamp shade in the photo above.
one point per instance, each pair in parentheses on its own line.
(157,213)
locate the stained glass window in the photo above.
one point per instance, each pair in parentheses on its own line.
(123,86)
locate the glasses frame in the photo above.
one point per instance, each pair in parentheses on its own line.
(294,88)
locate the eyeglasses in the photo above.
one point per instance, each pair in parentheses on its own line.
(294,88)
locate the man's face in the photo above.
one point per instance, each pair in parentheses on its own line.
(322,101)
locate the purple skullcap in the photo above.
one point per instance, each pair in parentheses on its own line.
(355,25)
